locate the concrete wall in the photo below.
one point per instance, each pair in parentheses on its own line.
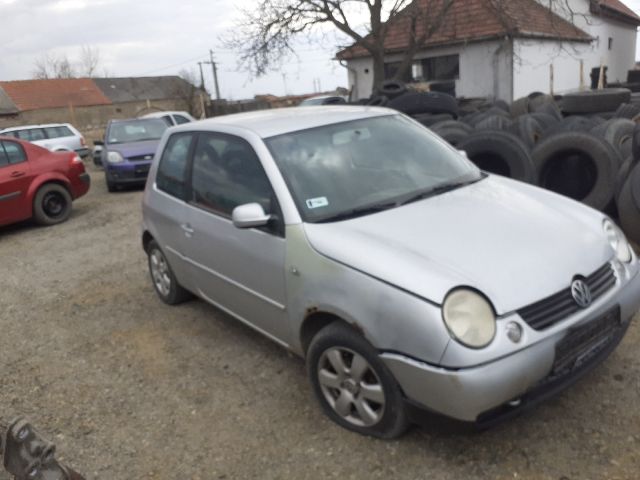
(485,69)
(91,121)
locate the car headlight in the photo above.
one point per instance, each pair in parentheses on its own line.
(618,241)
(469,317)
(114,157)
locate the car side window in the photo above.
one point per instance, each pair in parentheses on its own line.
(226,173)
(57,132)
(167,119)
(172,170)
(13,153)
(180,119)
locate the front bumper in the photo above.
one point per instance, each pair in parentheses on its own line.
(481,393)
(128,173)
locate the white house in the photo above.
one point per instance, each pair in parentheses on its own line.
(505,49)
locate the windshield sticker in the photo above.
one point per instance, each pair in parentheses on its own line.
(317,202)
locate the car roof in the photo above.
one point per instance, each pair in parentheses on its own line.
(162,114)
(269,123)
(25,127)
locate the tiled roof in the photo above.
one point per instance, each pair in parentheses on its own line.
(474,20)
(617,9)
(7,107)
(132,89)
(53,93)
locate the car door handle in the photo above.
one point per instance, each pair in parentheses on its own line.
(17,174)
(186,228)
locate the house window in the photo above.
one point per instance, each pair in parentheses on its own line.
(428,69)
(610,43)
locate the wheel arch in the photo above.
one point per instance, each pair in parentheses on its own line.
(40,182)
(147,238)
(315,321)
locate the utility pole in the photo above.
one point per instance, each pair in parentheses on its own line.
(201,76)
(215,74)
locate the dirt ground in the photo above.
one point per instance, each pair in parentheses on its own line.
(129,388)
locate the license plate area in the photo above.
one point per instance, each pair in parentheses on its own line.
(584,342)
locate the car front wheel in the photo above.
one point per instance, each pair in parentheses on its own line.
(164,281)
(354,387)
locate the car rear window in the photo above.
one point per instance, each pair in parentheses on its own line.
(59,131)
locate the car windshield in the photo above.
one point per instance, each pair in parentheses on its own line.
(136,131)
(345,170)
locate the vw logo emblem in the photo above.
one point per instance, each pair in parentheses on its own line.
(581,293)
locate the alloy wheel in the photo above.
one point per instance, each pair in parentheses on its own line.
(160,272)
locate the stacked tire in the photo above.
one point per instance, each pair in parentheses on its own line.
(583,145)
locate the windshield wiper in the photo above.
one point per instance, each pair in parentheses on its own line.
(440,189)
(359,212)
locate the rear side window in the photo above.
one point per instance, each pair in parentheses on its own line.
(11,153)
(57,132)
(167,119)
(181,119)
(172,170)
(31,134)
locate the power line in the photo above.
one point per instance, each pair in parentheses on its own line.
(200,57)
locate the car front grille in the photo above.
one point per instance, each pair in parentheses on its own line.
(551,310)
(141,158)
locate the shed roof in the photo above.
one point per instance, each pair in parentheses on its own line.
(53,93)
(131,89)
(476,20)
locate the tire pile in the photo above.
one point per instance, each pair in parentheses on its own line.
(583,145)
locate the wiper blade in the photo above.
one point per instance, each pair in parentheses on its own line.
(360,211)
(440,189)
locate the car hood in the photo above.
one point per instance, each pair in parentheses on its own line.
(135,149)
(515,243)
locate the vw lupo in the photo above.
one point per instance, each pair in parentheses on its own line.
(404,275)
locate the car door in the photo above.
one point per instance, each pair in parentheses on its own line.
(167,211)
(240,270)
(15,177)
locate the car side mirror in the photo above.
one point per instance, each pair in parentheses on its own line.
(249,215)
(98,143)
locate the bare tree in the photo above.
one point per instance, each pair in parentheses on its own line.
(89,61)
(266,33)
(51,66)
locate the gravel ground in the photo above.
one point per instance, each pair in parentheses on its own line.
(130,388)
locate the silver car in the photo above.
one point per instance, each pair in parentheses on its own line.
(405,276)
(57,137)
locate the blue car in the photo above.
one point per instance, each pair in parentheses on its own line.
(129,147)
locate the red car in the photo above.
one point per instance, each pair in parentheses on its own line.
(39,184)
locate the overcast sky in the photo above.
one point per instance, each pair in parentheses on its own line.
(153,37)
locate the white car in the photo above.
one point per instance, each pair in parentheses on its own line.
(56,137)
(172,118)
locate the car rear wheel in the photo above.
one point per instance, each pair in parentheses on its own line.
(164,281)
(352,384)
(52,204)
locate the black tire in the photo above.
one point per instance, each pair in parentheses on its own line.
(621,177)
(549,107)
(494,122)
(340,338)
(527,128)
(52,204)
(618,132)
(378,101)
(428,119)
(578,165)
(520,107)
(545,120)
(174,292)
(452,131)
(392,88)
(501,153)
(502,105)
(629,205)
(111,187)
(413,103)
(628,110)
(572,124)
(594,101)
(635,144)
